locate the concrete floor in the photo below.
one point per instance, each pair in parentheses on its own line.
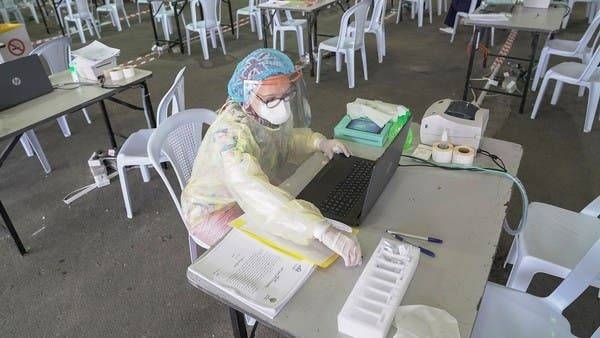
(93,272)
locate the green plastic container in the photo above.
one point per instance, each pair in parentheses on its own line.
(390,130)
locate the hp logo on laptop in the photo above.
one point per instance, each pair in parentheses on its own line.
(16,81)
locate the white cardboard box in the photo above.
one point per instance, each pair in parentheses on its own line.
(16,39)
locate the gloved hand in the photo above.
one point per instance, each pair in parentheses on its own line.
(344,244)
(330,147)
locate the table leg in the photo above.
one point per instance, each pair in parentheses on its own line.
(264,27)
(3,213)
(59,19)
(12,230)
(111,134)
(156,42)
(37,2)
(148,105)
(238,323)
(174,4)
(309,39)
(228,2)
(470,67)
(534,42)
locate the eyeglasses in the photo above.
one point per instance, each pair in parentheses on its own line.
(274,102)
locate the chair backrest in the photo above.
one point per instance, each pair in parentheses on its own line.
(578,280)
(211,10)
(179,138)
(590,32)
(377,15)
(472,6)
(56,53)
(9,4)
(82,7)
(592,66)
(359,12)
(175,98)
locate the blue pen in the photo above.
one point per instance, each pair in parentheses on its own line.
(423,250)
(421,238)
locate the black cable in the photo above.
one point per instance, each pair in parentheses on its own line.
(426,163)
(74,85)
(495,158)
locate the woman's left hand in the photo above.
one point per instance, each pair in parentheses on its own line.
(332,146)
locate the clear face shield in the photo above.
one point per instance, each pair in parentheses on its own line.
(278,100)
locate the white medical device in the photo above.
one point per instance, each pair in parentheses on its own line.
(464,123)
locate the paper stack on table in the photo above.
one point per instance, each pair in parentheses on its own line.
(92,59)
(254,273)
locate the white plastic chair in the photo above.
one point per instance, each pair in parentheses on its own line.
(31,6)
(376,25)
(289,25)
(83,14)
(579,74)
(177,141)
(462,15)
(139,12)
(568,48)
(419,6)
(164,14)
(211,25)
(56,52)
(347,44)
(112,8)
(552,242)
(134,151)
(10,7)
(442,5)
(253,12)
(506,312)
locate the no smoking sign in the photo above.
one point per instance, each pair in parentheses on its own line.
(16,47)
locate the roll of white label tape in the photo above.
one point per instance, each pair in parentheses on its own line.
(128,72)
(442,152)
(463,155)
(116,74)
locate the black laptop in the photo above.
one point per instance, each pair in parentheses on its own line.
(347,187)
(21,80)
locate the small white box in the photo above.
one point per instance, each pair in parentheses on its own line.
(536,3)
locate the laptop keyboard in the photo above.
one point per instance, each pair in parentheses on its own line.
(349,191)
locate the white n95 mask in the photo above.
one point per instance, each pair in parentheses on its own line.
(277,115)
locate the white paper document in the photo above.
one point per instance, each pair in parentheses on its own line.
(252,272)
(96,51)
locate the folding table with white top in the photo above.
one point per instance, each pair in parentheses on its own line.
(464,209)
(25,116)
(310,8)
(536,21)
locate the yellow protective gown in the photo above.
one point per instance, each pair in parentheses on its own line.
(234,169)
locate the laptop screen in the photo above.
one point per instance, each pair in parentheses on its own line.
(21,80)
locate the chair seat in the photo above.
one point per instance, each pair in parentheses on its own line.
(200,25)
(78,16)
(134,151)
(246,11)
(558,45)
(569,71)
(506,312)
(294,22)
(331,44)
(549,227)
(106,8)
